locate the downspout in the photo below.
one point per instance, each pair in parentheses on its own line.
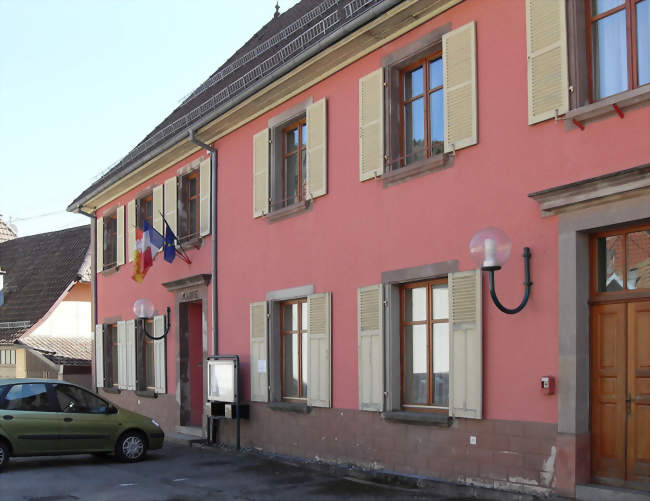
(213,234)
(93,275)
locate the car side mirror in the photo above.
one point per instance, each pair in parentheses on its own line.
(111,409)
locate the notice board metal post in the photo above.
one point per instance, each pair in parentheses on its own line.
(235,358)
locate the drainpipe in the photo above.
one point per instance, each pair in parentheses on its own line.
(213,233)
(93,272)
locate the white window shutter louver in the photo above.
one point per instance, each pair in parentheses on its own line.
(130,355)
(170,196)
(130,229)
(261,173)
(459,81)
(319,359)
(370,312)
(259,352)
(120,235)
(204,196)
(546,47)
(157,207)
(99,355)
(159,355)
(316,185)
(465,319)
(371,125)
(99,237)
(121,356)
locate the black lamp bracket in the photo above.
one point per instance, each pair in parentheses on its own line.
(527,285)
(167,325)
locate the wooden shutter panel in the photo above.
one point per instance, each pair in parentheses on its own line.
(371,125)
(546,46)
(259,352)
(205,186)
(130,229)
(317,149)
(170,203)
(130,354)
(159,355)
(99,233)
(120,235)
(121,356)
(459,81)
(370,313)
(261,173)
(319,360)
(99,355)
(465,319)
(157,208)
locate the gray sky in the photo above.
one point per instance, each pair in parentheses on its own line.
(83,81)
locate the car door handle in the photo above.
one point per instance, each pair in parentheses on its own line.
(8,418)
(68,419)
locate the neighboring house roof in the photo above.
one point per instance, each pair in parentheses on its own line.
(272,50)
(39,269)
(61,350)
(6,233)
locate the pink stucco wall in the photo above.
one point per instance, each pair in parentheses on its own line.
(358,230)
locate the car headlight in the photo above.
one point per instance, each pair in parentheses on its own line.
(155,423)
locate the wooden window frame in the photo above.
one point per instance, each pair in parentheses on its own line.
(300,189)
(141,210)
(110,241)
(630,38)
(429,321)
(424,63)
(184,201)
(597,296)
(299,332)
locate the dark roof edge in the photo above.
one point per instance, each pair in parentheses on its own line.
(346,29)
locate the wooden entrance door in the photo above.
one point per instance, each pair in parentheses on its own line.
(620,392)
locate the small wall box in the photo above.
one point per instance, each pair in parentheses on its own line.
(229,411)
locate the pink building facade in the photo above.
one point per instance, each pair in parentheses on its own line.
(350,180)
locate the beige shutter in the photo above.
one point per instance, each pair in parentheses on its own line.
(130,355)
(546,47)
(370,312)
(158,208)
(130,229)
(259,353)
(319,359)
(100,243)
(459,81)
(204,181)
(261,173)
(159,355)
(120,235)
(317,149)
(170,202)
(371,125)
(122,382)
(466,370)
(99,355)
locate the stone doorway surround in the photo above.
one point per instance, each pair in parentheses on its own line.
(583,207)
(186,290)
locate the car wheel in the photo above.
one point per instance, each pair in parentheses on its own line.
(131,447)
(4,454)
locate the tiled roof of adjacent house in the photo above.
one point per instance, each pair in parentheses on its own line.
(61,350)
(6,233)
(279,42)
(39,268)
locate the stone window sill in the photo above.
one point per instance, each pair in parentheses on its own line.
(417,169)
(289,407)
(112,269)
(605,107)
(426,418)
(190,243)
(287,212)
(112,389)
(146,393)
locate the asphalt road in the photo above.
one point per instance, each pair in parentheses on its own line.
(179,473)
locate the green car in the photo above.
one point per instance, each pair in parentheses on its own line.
(50,417)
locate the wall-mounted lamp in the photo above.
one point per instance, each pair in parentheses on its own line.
(490,249)
(143,309)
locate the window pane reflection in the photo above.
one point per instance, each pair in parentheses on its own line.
(304,354)
(435,73)
(638,260)
(414,130)
(610,263)
(413,83)
(440,303)
(291,180)
(290,342)
(415,304)
(643,40)
(600,6)
(610,55)
(437,122)
(415,364)
(441,364)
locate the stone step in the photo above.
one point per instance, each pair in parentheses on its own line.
(593,492)
(184,438)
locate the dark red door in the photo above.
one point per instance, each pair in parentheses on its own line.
(195,359)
